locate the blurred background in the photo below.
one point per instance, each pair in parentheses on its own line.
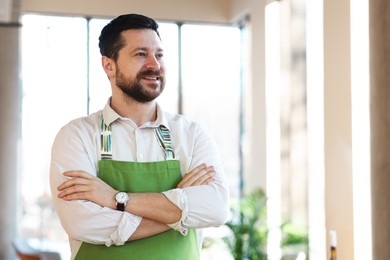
(284,87)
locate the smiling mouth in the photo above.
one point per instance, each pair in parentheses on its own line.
(151,77)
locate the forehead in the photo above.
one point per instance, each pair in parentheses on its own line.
(141,38)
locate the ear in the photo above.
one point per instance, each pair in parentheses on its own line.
(108,65)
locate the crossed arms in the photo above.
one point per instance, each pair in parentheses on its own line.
(156,210)
(85,204)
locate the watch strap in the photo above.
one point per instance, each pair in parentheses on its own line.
(120,206)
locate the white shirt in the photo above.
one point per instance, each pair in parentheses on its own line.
(77,147)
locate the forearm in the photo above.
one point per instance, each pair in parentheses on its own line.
(153,206)
(208,206)
(88,222)
(148,228)
(202,206)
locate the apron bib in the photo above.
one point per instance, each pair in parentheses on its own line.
(143,177)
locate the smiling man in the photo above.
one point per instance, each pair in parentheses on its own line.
(132,181)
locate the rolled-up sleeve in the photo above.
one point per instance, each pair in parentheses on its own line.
(84,220)
(204,205)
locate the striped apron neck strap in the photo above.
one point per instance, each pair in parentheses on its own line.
(105,140)
(164,138)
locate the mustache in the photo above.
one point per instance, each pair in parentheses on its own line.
(151,73)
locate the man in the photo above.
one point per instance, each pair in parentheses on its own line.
(131,181)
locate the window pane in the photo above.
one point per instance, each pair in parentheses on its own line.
(211,87)
(169,99)
(99,88)
(54,92)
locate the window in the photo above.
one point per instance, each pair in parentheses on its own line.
(211,87)
(63,80)
(54,78)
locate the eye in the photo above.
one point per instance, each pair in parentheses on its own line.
(159,55)
(140,54)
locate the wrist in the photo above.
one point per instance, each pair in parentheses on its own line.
(121,199)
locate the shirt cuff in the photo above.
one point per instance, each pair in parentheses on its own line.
(126,227)
(179,198)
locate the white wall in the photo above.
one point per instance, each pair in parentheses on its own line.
(9,134)
(255,121)
(338,125)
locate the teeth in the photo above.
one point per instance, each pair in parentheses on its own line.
(153,78)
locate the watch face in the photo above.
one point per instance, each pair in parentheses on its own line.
(121,197)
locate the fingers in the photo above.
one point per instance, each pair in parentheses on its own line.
(200,175)
(72,182)
(208,180)
(73,195)
(76,187)
(73,189)
(85,186)
(79,174)
(77,177)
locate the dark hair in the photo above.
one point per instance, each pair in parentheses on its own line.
(111,41)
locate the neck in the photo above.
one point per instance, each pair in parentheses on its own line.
(139,113)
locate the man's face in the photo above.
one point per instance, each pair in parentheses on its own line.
(140,66)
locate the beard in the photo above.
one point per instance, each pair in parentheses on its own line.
(133,88)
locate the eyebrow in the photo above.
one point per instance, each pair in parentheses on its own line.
(145,49)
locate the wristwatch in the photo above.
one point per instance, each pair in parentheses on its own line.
(121,199)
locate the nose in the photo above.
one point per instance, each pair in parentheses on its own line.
(153,63)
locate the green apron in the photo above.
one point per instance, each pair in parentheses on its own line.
(143,177)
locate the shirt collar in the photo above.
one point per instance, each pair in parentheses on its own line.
(111,116)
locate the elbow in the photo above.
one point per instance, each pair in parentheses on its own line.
(208,207)
(80,231)
(224,209)
(221,215)
(77,230)
(219,211)
(78,225)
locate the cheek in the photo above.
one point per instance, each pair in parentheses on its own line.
(163,68)
(129,65)
(130,70)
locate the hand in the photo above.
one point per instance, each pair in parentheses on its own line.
(84,186)
(200,175)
